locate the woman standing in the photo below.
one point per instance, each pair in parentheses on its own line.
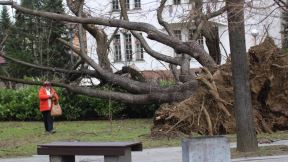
(47,96)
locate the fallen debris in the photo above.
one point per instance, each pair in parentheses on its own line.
(210,110)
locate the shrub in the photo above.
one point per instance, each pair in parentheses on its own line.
(83,107)
(166,83)
(23,104)
(19,105)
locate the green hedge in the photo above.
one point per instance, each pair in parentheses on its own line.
(23,104)
(19,105)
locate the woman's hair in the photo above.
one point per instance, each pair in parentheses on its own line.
(47,83)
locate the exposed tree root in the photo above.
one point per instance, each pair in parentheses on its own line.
(207,79)
(210,110)
(208,119)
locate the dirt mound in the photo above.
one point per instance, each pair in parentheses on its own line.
(210,110)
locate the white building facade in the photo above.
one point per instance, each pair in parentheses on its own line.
(262,18)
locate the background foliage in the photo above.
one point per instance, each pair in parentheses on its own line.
(34,39)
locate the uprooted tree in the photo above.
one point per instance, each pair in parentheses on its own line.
(210,110)
(137,92)
(202,90)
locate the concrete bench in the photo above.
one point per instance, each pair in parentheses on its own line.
(66,151)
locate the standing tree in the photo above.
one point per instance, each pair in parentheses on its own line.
(246,134)
(34,39)
(5,30)
(5,20)
(47,32)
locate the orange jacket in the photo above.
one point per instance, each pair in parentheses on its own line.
(44,106)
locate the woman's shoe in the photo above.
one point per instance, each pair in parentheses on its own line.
(52,131)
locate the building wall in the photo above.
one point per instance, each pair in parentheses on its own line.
(254,19)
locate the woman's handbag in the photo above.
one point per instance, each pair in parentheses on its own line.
(56,110)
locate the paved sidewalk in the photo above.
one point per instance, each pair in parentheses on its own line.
(171,154)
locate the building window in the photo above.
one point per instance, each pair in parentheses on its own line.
(200,39)
(177,34)
(127,2)
(139,50)
(115,5)
(137,4)
(128,47)
(117,48)
(176,2)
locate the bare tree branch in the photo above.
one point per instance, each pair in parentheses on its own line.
(216,13)
(192,48)
(85,72)
(155,54)
(99,34)
(112,36)
(148,49)
(117,96)
(160,18)
(131,85)
(282,4)
(73,48)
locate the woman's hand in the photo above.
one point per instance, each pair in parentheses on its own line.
(54,98)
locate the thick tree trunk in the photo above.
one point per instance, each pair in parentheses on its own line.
(212,42)
(185,75)
(102,51)
(246,134)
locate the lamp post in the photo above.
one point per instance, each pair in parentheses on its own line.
(255,33)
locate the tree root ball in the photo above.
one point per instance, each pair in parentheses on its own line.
(210,110)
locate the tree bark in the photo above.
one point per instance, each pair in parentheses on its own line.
(213,42)
(246,134)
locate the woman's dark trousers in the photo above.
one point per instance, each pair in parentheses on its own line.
(48,121)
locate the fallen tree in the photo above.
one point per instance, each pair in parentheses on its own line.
(210,110)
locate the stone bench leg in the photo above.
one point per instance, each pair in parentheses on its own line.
(125,158)
(62,158)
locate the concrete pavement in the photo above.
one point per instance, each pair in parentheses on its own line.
(171,154)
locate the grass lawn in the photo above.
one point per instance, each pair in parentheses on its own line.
(21,138)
